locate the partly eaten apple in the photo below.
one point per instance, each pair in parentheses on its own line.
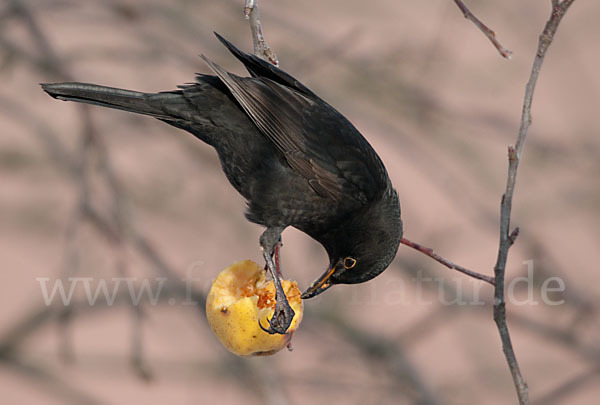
(238,299)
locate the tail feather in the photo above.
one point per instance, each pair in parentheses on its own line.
(126,100)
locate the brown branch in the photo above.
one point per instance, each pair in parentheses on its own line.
(406,376)
(451,265)
(506,237)
(92,146)
(490,34)
(261,49)
(568,387)
(52,383)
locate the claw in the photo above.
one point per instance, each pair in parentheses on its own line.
(281,319)
(271,330)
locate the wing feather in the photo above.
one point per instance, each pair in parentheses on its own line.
(315,139)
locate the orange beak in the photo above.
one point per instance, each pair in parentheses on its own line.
(319,285)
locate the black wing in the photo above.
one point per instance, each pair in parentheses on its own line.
(316,140)
(260,68)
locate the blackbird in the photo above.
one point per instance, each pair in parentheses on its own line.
(295,159)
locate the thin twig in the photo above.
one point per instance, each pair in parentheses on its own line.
(568,387)
(490,34)
(50,60)
(451,265)
(91,146)
(506,237)
(411,381)
(138,362)
(261,48)
(51,383)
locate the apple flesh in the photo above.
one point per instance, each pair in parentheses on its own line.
(239,297)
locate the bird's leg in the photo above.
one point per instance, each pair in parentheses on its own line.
(283,315)
(276,257)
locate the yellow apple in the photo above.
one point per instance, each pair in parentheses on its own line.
(239,297)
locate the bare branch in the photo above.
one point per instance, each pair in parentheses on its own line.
(377,347)
(261,48)
(451,265)
(568,387)
(490,34)
(91,146)
(507,237)
(49,382)
(138,362)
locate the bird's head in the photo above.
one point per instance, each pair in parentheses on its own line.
(362,246)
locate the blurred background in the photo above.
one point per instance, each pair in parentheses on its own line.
(100,194)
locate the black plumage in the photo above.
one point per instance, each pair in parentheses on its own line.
(297,161)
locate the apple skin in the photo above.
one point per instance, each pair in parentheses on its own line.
(239,297)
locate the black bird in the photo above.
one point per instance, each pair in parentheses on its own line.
(296,160)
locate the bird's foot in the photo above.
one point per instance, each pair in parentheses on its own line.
(283,314)
(281,319)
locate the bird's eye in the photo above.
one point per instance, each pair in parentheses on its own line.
(349,262)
